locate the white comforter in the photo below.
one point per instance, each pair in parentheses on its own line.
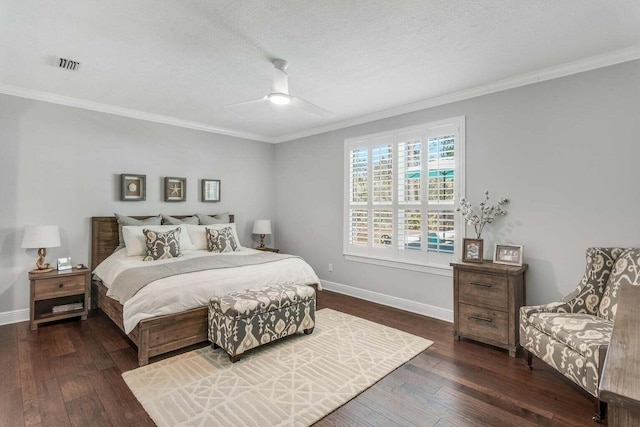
(186,291)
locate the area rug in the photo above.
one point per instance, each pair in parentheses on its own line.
(293,382)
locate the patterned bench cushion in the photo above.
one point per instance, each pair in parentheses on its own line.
(244,304)
(584,333)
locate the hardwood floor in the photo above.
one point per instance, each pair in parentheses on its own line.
(69,373)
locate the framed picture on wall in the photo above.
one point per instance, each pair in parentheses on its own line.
(508,254)
(175,189)
(210,190)
(133,187)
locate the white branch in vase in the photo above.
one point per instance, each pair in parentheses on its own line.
(487,213)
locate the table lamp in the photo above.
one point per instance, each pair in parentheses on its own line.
(41,237)
(262,227)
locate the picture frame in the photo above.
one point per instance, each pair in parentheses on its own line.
(133,187)
(175,189)
(64,264)
(508,254)
(472,250)
(210,190)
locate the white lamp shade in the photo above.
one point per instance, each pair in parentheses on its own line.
(262,226)
(41,236)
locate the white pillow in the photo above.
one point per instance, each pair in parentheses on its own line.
(136,243)
(198,234)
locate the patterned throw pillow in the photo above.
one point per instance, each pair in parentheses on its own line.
(162,245)
(221,240)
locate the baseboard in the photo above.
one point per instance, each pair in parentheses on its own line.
(14,316)
(389,300)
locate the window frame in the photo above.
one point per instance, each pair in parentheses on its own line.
(424,261)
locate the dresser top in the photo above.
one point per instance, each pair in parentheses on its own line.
(56,273)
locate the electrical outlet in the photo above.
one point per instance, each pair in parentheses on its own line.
(330,268)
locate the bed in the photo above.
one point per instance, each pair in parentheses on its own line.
(154,334)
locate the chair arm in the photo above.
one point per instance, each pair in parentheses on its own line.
(553,307)
(526,311)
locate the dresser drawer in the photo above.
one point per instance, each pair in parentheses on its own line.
(487,290)
(59,286)
(483,323)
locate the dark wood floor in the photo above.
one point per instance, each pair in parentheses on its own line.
(69,373)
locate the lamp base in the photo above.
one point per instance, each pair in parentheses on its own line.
(41,266)
(262,240)
(37,270)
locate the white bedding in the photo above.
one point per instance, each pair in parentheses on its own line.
(186,291)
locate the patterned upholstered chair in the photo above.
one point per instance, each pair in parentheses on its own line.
(573,335)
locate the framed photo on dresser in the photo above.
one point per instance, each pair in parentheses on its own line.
(508,254)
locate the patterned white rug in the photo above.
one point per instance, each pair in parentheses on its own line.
(293,382)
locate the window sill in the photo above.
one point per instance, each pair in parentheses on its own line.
(437,269)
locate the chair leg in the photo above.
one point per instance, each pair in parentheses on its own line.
(601,411)
(529,359)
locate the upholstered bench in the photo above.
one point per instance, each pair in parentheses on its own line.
(247,319)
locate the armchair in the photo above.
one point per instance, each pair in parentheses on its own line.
(572,335)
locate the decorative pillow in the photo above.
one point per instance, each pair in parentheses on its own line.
(198,234)
(626,270)
(127,220)
(162,245)
(136,243)
(221,218)
(166,219)
(221,240)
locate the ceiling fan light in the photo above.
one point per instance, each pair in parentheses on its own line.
(279,98)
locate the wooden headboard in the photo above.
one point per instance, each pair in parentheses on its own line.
(105,239)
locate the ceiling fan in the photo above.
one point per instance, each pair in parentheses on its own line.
(279,94)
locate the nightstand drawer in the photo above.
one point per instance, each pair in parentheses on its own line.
(59,286)
(490,325)
(487,290)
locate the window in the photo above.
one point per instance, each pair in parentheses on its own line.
(400,192)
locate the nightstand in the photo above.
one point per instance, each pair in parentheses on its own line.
(266,249)
(486,302)
(58,295)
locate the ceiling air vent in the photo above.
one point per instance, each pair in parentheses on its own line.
(68,64)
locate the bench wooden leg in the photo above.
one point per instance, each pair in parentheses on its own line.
(529,359)
(308,331)
(214,345)
(235,358)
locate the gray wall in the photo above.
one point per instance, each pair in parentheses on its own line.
(564,151)
(61,165)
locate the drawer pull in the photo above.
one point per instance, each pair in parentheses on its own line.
(483,319)
(484,285)
(61,285)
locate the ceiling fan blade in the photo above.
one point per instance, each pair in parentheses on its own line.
(252,101)
(312,108)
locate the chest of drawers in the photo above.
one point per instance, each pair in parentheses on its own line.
(486,301)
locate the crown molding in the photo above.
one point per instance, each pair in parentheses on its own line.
(125,112)
(562,70)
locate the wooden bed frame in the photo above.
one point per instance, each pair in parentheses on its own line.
(153,336)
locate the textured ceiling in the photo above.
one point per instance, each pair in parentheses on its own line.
(188,59)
